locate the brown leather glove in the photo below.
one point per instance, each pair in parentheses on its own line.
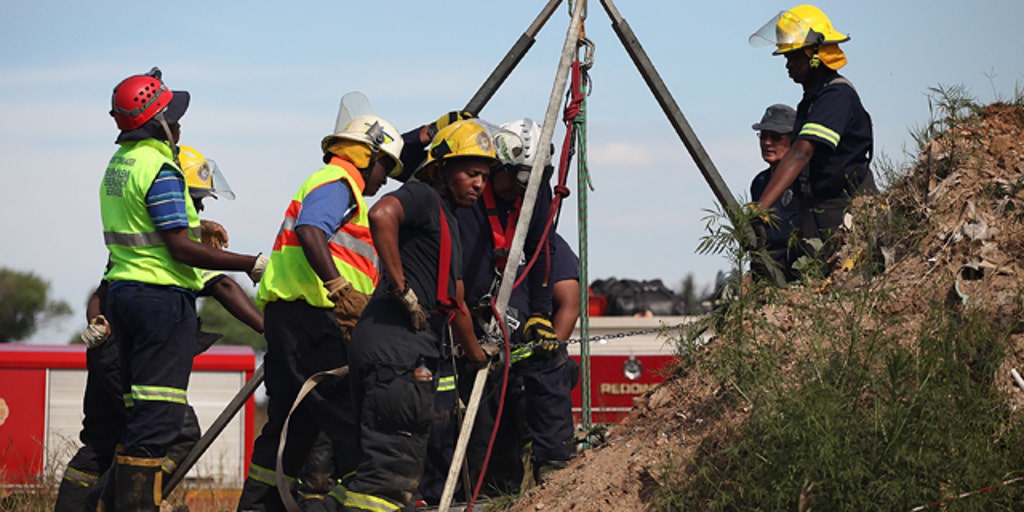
(213,234)
(348,303)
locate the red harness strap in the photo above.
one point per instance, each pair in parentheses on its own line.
(445,302)
(573,108)
(501,236)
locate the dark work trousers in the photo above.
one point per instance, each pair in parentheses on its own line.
(301,341)
(102,428)
(156,330)
(76,499)
(539,390)
(444,431)
(820,218)
(395,407)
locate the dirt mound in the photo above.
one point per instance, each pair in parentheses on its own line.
(951,227)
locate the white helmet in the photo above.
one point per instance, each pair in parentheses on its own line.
(376,133)
(529,134)
(508,146)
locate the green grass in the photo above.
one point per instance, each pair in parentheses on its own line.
(854,408)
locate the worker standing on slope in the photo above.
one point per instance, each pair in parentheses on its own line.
(833,140)
(152,232)
(320,277)
(395,348)
(774,135)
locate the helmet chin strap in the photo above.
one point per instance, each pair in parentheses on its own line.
(170,137)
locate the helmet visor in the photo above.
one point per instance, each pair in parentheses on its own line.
(221,189)
(785,32)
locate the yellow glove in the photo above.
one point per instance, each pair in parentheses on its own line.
(539,331)
(348,303)
(96,333)
(447,119)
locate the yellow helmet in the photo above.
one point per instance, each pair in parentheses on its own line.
(202,175)
(800,27)
(463,139)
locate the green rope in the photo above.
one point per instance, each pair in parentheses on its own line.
(583,184)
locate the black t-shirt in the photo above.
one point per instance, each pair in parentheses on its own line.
(831,116)
(419,242)
(566,265)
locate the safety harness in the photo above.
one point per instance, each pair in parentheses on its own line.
(446,304)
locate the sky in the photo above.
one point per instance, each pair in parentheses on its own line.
(266,79)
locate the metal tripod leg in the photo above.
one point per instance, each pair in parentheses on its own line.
(511,60)
(675,116)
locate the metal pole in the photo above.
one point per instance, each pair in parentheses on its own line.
(516,251)
(511,60)
(675,116)
(215,429)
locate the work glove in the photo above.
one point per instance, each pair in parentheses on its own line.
(258,268)
(348,304)
(447,119)
(213,234)
(96,333)
(758,219)
(407,298)
(538,331)
(760,233)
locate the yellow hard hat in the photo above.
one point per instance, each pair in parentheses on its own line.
(463,139)
(800,27)
(202,175)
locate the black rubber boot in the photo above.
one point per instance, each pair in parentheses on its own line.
(138,484)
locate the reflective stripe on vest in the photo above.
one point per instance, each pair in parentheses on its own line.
(289,276)
(137,250)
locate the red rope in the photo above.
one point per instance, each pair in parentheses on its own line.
(561,191)
(966,494)
(501,409)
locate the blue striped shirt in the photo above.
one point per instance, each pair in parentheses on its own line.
(165,200)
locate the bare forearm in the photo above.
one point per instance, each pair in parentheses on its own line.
(567,308)
(462,325)
(230,295)
(185,250)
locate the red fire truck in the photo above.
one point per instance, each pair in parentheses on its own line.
(41,390)
(622,369)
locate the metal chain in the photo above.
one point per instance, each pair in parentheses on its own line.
(496,338)
(624,334)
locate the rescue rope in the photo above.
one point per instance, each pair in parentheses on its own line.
(583,183)
(966,494)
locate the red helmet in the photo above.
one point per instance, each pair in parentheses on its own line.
(138,99)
